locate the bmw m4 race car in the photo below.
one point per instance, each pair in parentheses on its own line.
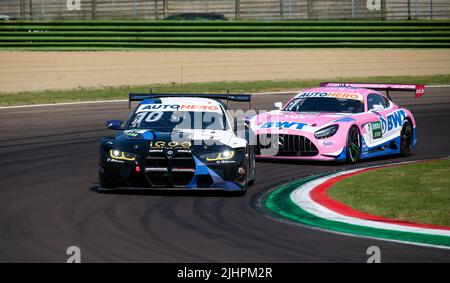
(338,122)
(178,141)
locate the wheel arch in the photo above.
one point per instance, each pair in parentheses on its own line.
(407,118)
(411,121)
(354,125)
(357,126)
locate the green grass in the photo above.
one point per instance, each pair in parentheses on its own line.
(110,93)
(418,192)
(214,34)
(148,34)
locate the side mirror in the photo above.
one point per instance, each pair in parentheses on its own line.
(278,105)
(243,130)
(240,124)
(114,124)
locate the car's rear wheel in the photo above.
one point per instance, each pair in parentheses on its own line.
(353,145)
(406,139)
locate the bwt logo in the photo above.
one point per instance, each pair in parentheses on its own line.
(73,5)
(374,5)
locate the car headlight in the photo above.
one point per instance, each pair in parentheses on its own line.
(117,154)
(216,156)
(326,132)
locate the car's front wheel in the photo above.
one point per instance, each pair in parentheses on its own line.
(252,167)
(353,145)
(106,184)
(107,179)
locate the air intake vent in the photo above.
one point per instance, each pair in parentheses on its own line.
(157,170)
(289,145)
(177,171)
(183,169)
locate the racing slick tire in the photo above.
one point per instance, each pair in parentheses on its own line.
(106,183)
(252,167)
(353,147)
(406,139)
(107,180)
(250,171)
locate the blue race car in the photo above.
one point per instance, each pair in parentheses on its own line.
(178,141)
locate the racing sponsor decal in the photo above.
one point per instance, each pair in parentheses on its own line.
(392,121)
(206,107)
(354,96)
(290,116)
(283,125)
(171,145)
(109,159)
(377,133)
(138,134)
(326,143)
(196,107)
(132,134)
(225,161)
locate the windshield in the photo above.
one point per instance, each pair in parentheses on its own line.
(322,104)
(167,121)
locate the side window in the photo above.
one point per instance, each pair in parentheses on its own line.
(376,101)
(385,102)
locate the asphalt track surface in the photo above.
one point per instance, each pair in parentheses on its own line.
(48,167)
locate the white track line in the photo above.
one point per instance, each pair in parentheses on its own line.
(124,100)
(63,104)
(112,101)
(437,86)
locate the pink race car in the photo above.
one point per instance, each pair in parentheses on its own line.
(337,122)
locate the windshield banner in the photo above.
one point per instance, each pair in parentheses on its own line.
(339,95)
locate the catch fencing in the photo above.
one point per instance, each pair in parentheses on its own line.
(229,9)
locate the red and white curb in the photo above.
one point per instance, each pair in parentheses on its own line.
(312,198)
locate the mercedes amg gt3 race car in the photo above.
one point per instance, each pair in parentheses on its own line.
(338,122)
(178,141)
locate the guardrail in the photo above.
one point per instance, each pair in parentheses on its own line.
(71,35)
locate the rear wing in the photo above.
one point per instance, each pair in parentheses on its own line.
(419,90)
(228,96)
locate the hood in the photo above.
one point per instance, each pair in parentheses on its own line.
(194,136)
(294,121)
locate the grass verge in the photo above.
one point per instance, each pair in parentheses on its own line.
(418,192)
(110,93)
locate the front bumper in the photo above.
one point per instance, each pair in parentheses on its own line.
(179,171)
(285,145)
